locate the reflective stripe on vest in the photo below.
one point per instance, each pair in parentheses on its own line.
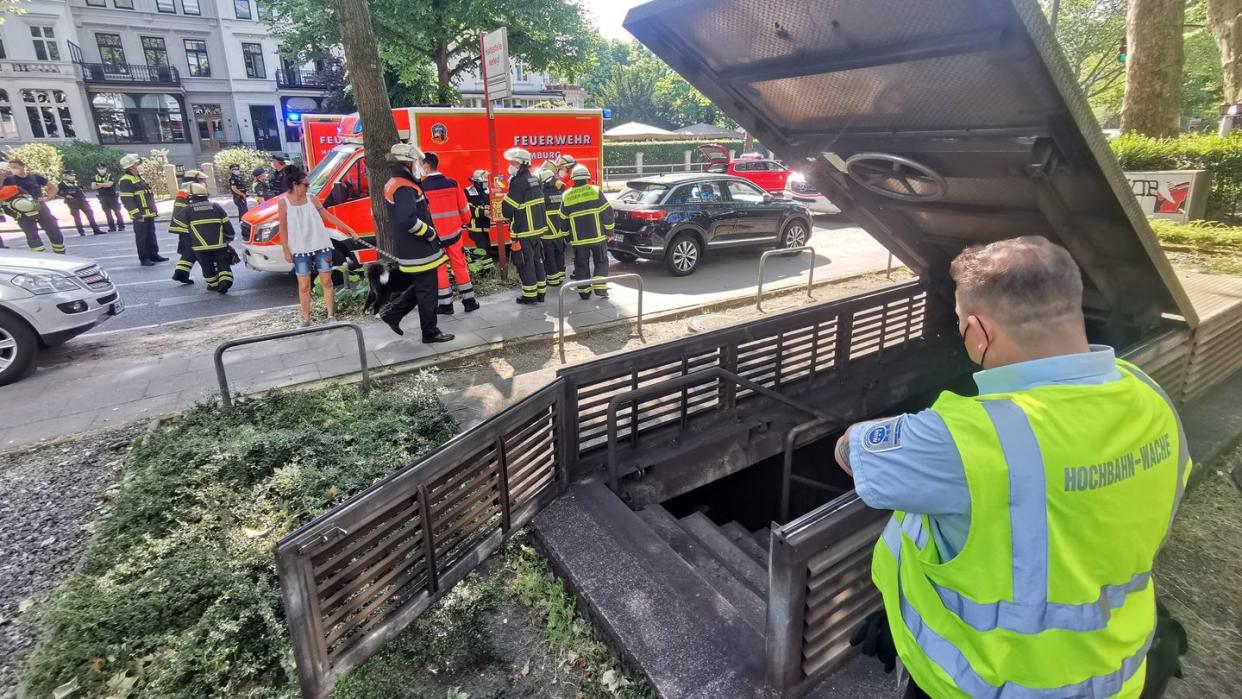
(526,208)
(422,264)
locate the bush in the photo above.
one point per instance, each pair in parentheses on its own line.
(39,157)
(82,157)
(247,158)
(660,152)
(1211,237)
(1220,156)
(178,594)
(151,169)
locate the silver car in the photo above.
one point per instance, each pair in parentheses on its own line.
(46,299)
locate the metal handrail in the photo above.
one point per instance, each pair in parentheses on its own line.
(763,260)
(791,443)
(560,304)
(666,387)
(219,354)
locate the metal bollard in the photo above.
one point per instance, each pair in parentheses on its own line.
(219,355)
(560,305)
(763,260)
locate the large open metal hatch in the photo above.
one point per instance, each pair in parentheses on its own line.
(934,125)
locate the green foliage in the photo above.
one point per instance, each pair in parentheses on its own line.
(1210,237)
(659,152)
(638,86)
(178,594)
(152,170)
(247,158)
(1220,156)
(349,297)
(82,157)
(39,157)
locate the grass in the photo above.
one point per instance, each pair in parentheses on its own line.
(1201,236)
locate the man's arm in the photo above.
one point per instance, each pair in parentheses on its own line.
(842,451)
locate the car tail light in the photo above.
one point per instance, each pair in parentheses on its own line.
(656,215)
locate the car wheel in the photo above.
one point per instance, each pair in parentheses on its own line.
(683,255)
(624,257)
(18,346)
(795,235)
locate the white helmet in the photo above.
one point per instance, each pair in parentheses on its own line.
(566,161)
(547,171)
(405,153)
(196,189)
(580,172)
(479,176)
(24,204)
(194,175)
(518,155)
(129,160)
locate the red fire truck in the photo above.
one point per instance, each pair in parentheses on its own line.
(458,136)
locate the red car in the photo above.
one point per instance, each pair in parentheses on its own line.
(768,174)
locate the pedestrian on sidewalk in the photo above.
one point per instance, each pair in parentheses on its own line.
(304,237)
(415,244)
(178,227)
(450,214)
(104,185)
(207,234)
(589,216)
(38,188)
(523,208)
(75,199)
(139,200)
(237,187)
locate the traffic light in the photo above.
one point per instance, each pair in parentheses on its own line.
(1121,53)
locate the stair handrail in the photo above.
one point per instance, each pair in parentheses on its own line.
(791,443)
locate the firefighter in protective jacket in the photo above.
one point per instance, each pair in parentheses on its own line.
(209,231)
(528,221)
(480,200)
(589,217)
(554,240)
(450,213)
(185,251)
(139,201)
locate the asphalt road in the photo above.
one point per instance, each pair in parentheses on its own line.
(151,297)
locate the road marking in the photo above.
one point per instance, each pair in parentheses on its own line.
(150,281)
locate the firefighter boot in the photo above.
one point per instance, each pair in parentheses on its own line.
(470,305)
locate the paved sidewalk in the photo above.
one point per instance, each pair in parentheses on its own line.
(99,393)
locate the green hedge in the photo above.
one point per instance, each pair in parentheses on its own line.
(1220,156)
(660,152)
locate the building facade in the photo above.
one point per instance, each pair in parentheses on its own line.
(191,76)
(530,89)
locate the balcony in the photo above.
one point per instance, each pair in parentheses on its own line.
(302,80)
(125,74)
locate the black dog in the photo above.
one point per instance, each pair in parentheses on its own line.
(385,282)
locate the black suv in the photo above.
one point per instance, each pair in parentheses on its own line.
(676,217)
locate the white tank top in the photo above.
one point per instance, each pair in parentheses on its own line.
(306,230)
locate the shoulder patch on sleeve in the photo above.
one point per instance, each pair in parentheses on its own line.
(884,435)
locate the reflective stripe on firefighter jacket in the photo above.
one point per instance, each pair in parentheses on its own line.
(180,200)
(587,213)
(450,212)
(136,196)
(206,223)
(480,202)
(1051,596)
(414,238)
(552,198)
(523,208)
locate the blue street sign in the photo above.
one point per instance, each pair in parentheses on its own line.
(607,112)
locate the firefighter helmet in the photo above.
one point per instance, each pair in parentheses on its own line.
(194,176)
(479,176)
(405,153)
(520,156)
(196,189)
(580,172)
(567,161)
(25,204)
(129,160)
(547,171)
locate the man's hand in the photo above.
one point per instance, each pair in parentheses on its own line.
(842,451)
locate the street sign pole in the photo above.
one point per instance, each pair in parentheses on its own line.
(494,172)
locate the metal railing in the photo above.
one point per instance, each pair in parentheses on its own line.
(560,304)
(129,74)
(302,79)
(223,380)
(763,261)
(792,442)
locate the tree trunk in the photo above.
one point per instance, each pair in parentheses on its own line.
(379,131)
(1224,21)
(1153,67)
(444,80)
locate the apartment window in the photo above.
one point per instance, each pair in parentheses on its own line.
(168,6)
(154,51)
(48,111)
(97,3)
(196,57)
(241,8)
(252,55)
(110,50)
(123,4)
(2,53)
(519,71)
(190,7)
(136,118)
(45,46)
(8,125)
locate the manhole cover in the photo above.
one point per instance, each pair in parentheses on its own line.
(711,321)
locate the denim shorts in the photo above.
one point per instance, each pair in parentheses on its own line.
(306,262)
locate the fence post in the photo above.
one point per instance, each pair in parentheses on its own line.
(209,169)
(638,162)
(688,155)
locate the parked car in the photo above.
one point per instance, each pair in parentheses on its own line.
(800,190)
(765,172)
(674,218)
(45,300)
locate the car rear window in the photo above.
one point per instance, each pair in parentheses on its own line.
(643,193)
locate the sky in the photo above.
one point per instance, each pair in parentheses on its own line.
(608,15)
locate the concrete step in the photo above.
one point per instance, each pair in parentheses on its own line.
(763,537)
(860,678)
(751,605)
(733,557)
(746,541)
(664,618)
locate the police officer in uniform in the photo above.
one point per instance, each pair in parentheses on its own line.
(237,187)
(554,240)
(209,231)
(36,187)
(139,200)
(589,217)
(415,244)
(185,249)
(276,184)
(480,200)
(260,188)
(104,185)
(75,199)
(1017,562)
(523,208)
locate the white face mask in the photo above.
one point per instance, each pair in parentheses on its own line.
(513,170)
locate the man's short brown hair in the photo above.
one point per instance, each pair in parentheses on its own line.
(1027,281)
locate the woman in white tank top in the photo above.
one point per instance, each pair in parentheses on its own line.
(304,237)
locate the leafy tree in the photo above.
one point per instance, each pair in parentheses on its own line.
(1090,33)
(638,86)
(1224,21)
(1153,67)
